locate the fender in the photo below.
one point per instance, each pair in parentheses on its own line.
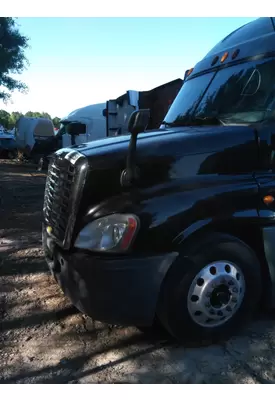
(219,224)
(241,226)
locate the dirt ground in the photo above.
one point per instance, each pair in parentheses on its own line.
(43,339)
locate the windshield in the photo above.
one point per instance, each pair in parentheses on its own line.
(240,94)
(72,127)
(61,130)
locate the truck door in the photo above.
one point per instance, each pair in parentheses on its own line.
(265,177)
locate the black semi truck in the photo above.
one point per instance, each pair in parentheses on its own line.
(176,225)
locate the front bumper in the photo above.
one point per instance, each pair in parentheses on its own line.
(114,290)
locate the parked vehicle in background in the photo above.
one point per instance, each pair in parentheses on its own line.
(159,100)
(35,137)
(98,121)
(8,146)
(82,125)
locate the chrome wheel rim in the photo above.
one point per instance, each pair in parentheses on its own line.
(216,293)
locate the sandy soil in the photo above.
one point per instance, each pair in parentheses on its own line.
(43,339)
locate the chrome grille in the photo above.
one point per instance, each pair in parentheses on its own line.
(64,185)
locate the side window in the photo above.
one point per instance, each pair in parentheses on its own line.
(82,129)
(76,128)
(243,93)
(62,130)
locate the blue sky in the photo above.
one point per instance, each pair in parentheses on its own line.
(79,61)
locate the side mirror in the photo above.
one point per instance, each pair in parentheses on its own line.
(104,112)
(138,121)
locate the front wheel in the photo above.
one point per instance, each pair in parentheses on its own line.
(210,297)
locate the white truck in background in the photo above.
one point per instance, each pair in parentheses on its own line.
(83,125)
(98,121)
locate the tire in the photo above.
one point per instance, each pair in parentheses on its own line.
(155,330)
(191,321)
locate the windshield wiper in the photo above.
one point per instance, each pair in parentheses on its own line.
(194,121)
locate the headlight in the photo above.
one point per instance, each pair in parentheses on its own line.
(112,233)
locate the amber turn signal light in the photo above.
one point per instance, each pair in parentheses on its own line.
(224,57)
(268,199)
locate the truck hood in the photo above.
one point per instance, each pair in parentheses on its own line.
(192,139)
(167,157)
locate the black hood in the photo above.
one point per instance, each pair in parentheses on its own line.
(169,154)
(168,158)
(187,140)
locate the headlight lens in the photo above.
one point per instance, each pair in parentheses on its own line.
(112,233)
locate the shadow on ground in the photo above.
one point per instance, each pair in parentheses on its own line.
(43,339)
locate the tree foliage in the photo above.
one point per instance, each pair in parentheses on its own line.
(56,122)
(37,114)
(12,57)
(8,120)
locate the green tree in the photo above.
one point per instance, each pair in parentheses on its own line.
(37,114)
(12,57)
(45,115)
(56,122)
(4,118)
(9,120)
(14,116)
(30,114)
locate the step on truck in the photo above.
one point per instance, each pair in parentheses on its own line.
(176,225)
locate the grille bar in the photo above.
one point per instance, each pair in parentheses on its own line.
(63,191)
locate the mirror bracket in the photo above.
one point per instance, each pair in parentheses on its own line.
(138,122)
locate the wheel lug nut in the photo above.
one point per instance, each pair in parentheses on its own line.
(208,294)
(230,283)
(220,314)
(235,290)
(212,312)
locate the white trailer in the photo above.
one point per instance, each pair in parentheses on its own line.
(31,131)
